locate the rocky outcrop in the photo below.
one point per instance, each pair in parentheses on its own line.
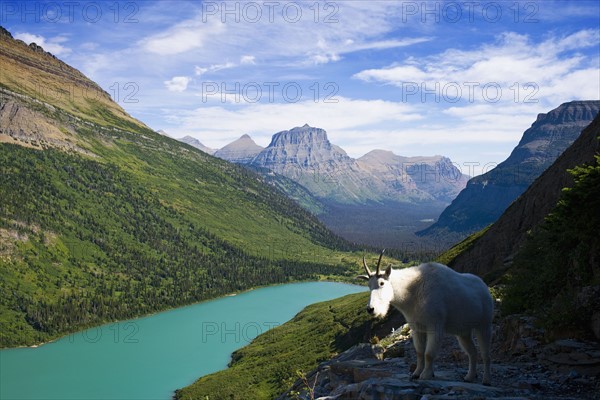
(4,32)
(22,125)
(487,196)
(493,251)
(197,144)
(524,366)
(241,151)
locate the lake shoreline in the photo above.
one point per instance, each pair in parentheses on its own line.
(170,350)
(230,294)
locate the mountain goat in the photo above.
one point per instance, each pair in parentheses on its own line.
(435,299)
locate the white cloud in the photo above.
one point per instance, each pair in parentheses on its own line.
(510,63)
(323,58)
(89,46)
(52,45)
(184,37)
(213,68)
(189,49)
(177,83)
(248,60)
(386,44)
(244,60)
(354,26)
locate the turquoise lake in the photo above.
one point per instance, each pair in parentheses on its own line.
(148,358)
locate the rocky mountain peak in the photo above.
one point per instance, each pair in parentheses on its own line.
(246,140)
(504,238)
(240,151)
(305,135)
(306,155)
(487,196)
(554,131)
(192,141)
(379,156)
(304,146)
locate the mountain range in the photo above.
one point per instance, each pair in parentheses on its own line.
(400,195)
(487,196)
(305,155)
(379,199)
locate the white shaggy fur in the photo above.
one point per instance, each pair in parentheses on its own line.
(435,300)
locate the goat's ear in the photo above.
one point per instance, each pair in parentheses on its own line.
(365,277)
(388,271)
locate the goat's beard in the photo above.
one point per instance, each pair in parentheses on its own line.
(381,312)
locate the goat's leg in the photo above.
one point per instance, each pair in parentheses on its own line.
(433,340)
(419,339)
(484,338)
(466,342)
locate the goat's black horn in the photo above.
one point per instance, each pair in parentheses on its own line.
(379,262)
(366,268)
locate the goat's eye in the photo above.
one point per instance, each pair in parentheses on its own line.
(381,283)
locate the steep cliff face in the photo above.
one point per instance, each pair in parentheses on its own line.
(241,151)
(31,128)
(495,249)
(305,147)
(487,196)
(306,155)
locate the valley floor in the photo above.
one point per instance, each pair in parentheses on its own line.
(389,225)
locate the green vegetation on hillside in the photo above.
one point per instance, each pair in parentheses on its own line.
(138,223)
(561,257)
(85,242)
(267,367)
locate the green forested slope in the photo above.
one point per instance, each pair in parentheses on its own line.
(85,242)
(557,272)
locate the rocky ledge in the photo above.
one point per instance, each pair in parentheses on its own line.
(525,366)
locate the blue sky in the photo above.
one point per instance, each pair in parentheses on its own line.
(460,79)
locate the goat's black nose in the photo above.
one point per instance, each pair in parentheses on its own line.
(370,309)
